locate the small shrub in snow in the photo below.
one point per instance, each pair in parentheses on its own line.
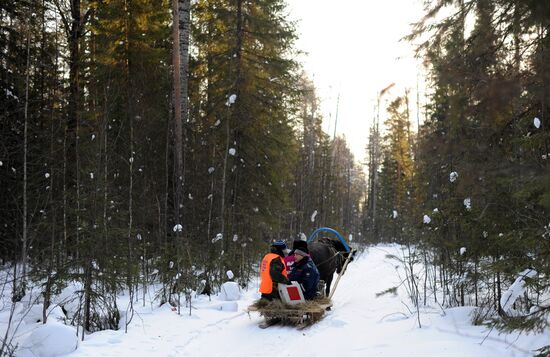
(33,314)
(69,299)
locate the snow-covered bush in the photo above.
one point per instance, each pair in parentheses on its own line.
(230,291)
(51,339)
(515,290)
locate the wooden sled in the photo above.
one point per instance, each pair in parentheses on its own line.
(300,315)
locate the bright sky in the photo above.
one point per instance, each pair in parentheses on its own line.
(353,48)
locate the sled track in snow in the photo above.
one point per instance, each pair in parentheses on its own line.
(208,327)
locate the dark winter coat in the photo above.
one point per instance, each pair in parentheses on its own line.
(305,272)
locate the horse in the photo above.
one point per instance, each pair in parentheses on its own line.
(329,256)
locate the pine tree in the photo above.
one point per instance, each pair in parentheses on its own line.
(397,170)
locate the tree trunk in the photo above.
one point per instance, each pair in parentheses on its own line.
(224,178)
(24,239)
(375,173)
(499,295)
(178,135)
(74,31)
(184,26)
(233,117)
(105,173)
(74,65)
(184,13)
(476,277)
(87,297)
(73,113)
(130,115)
(517,34)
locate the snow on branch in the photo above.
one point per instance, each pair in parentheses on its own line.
(516,289)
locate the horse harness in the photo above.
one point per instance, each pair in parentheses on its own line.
(333,256)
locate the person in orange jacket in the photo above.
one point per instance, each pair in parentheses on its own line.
(273,271)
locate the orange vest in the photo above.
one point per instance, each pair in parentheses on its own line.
(266,285)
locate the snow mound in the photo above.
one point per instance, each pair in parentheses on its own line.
(516,289)
(52,339)
(33,314)
(458,316)
(230,291)
(69,298)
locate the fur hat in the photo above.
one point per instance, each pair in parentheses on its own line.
(300,247)
(300,244)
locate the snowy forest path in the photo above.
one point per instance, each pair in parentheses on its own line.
(359,324)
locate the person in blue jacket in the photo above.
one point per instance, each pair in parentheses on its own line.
(305,272)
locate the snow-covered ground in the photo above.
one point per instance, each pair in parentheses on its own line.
(360,324)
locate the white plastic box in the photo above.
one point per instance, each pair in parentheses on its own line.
(291,294)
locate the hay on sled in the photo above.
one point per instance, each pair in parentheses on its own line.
(306,313)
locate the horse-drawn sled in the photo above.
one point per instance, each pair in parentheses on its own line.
(281,313)
(329,256)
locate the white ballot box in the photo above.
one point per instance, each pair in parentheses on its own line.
(291,294)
